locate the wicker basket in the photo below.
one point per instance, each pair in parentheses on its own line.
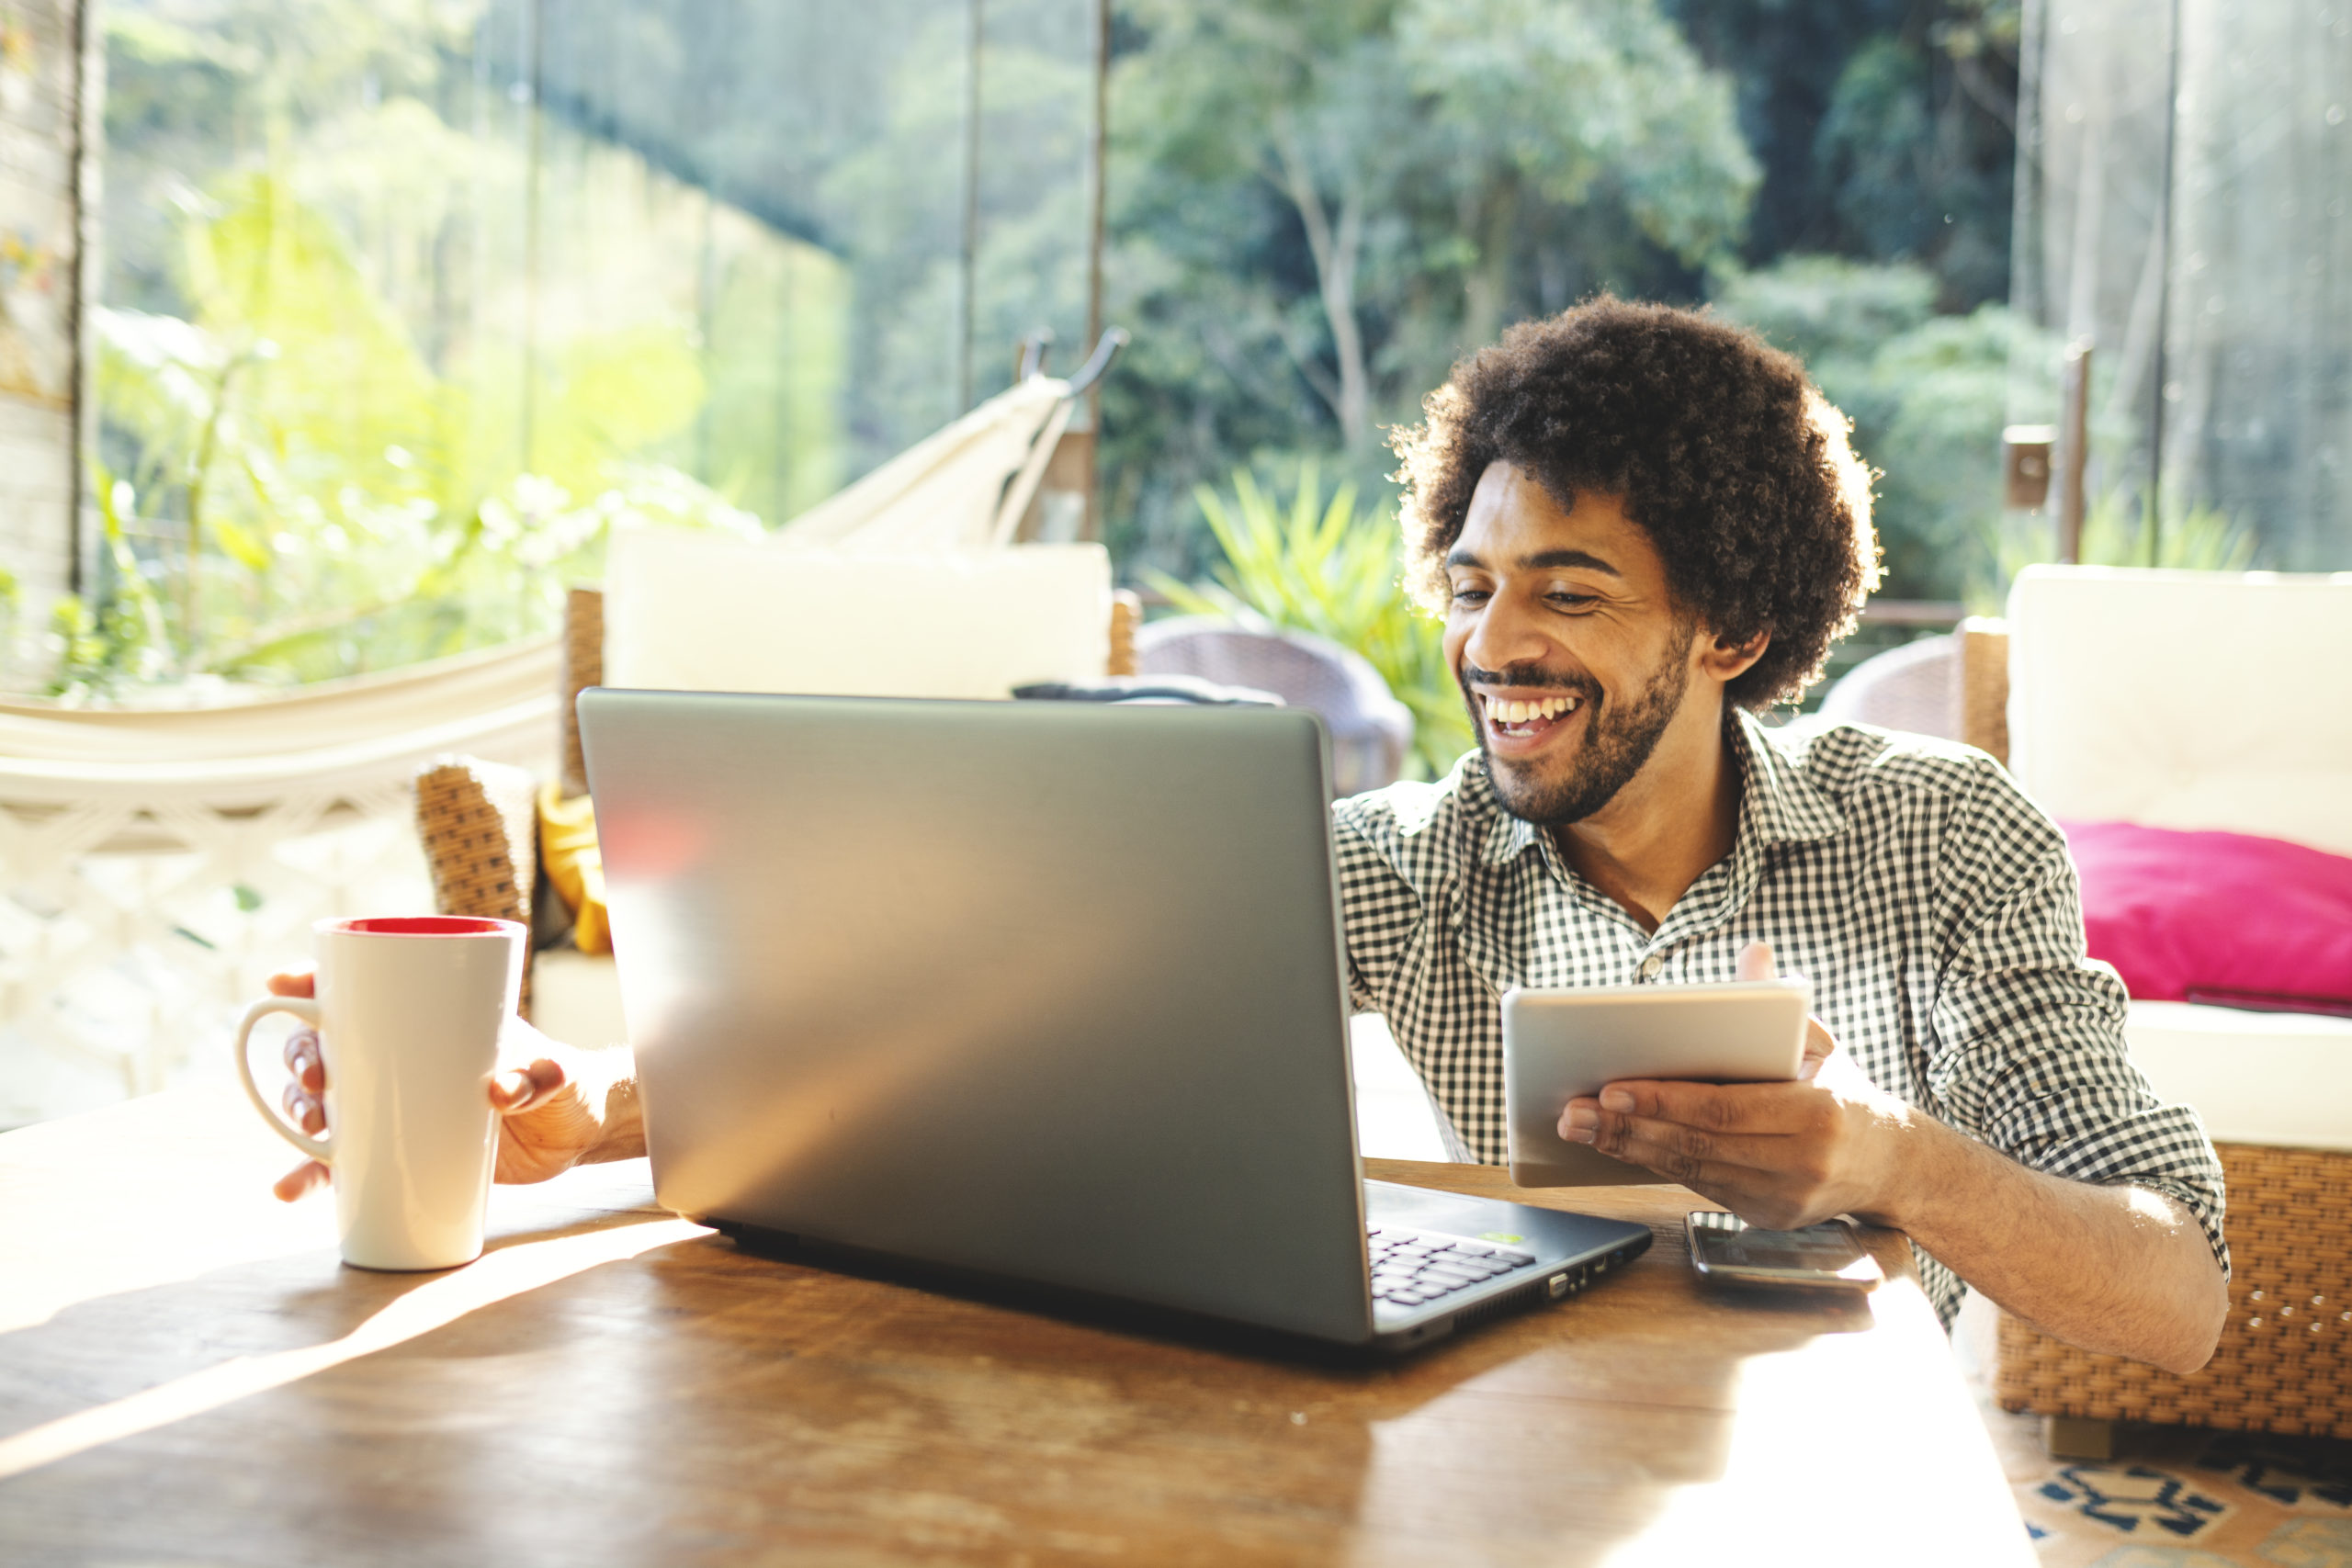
(2285,1361)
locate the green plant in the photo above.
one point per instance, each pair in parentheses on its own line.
(117,635)
(1322,567)
(2203,538)
(302,496)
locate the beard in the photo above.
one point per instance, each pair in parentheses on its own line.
(1617,740)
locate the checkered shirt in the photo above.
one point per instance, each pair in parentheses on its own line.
(1932,906)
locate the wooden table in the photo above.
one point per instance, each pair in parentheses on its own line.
(189,1376)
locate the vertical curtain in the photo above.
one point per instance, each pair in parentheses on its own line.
(2223,327)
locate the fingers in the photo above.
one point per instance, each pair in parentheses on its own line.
(1756,961)
(1760,1108)
(299,1180)
(519,1089)
(304,1098)
(306,1062)
(1818,1045)
(1674,1148)
(305,1111)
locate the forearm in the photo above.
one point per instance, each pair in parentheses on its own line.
(2122,1269)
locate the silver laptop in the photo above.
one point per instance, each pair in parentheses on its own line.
(1045,991)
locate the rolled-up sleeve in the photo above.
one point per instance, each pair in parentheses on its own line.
(2028,1052)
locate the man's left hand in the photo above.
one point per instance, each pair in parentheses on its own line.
(1782,1155)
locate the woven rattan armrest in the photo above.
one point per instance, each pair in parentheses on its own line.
(1985,685)
(478,823)
(2285,1359)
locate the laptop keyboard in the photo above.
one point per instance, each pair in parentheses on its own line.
(1415,1267)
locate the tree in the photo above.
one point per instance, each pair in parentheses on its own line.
(1927,394)
(1886,129)
(1435,158)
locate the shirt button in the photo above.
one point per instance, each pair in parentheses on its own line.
(1652,965)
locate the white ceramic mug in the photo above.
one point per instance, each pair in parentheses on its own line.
(408,1011)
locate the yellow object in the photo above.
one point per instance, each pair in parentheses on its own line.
(568,857)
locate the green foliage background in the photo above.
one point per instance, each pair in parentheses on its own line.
(1329,569)
(312,362)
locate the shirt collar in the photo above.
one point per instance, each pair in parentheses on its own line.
(1778,804)
(1508,837)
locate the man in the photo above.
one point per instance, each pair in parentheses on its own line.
(1644,528)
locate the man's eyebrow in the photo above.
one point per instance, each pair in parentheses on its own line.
(1539,561)
(1584,558)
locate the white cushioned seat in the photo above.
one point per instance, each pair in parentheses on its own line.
(703,612)
(2200,700)
(2186,699)
(2279,1078)
(576,997)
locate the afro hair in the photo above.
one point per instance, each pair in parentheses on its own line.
(1717,445)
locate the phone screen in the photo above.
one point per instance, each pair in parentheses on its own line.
(1821,1248)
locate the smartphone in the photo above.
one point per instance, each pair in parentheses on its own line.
(1823,1257)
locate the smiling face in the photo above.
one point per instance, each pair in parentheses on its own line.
(1572,655)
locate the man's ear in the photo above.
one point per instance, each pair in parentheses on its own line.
(1724,660)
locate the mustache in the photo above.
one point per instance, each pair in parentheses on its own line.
(1557,681)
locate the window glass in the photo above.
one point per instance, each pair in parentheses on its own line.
(405,300)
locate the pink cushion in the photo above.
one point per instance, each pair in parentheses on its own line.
(2217,917)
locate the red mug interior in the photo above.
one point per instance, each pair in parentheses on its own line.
(424,925)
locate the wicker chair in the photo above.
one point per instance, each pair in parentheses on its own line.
(2285,1359)
(1915,687)
(1370,729)
(479,820)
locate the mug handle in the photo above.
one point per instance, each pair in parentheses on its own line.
(307,1010)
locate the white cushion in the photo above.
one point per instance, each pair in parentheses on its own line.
(2186,699)
(702,612)
(576,998)
(2281,1078)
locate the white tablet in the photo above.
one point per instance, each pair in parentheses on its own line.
(1560,1046)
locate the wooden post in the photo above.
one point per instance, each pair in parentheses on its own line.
(1098,134)
(2074,450)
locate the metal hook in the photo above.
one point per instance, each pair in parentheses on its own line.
(1034,349)
(1114,339)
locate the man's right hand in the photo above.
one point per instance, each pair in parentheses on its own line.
(552,1114)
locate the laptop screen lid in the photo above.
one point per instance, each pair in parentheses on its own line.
(1048,990)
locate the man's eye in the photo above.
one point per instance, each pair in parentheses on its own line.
(1470,595)
(1564,600)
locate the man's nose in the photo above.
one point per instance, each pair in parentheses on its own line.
(1503,635)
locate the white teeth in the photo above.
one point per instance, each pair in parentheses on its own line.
(1506,711)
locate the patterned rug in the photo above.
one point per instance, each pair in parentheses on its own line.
(2181,1498)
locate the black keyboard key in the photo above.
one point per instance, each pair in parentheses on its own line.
(1411,1270)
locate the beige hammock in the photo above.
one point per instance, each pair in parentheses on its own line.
(155,865)
(965,487)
